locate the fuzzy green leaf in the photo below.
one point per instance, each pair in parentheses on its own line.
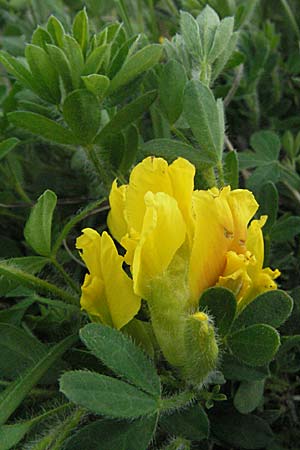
(108,434)
(221,304)
(37,230)
(81,111)
(7,145)
(106,396)
(271,308)
(248,396)
(255,345)
(11,398)
(43,127)
(202,113)
(135,65)
(171,88)
(121,355)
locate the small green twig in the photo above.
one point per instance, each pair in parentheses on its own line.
(291,18)
(124,16)
(100,170)
(177,401)
(65,276)
(32,281)
(235,85)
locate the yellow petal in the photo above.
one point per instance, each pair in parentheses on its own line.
(243,207)
(90,245)
(150,175)
(235,276)
(163,233)
(155,175)
(129,242)
(122,302)
(212,239)
(107,292)
(93,300)
(182,174)
(116,221)
(255,240)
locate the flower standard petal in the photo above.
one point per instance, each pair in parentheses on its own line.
(163,233)
(116,220)
(212,239)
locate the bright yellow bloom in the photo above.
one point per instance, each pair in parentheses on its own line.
(161,221)
(107,292)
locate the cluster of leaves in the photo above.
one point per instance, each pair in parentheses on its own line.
(80,104)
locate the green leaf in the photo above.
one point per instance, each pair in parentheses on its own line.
(126,116)
(223,58)
(122,356)
(75,57)
(222,305)
(171,87)
(106,396)
(221,38)
(243,431)
(285,229)
(271,308)
(56,30)
(81,29)
(95,59)
(131,149)
(11,398)
(249,396)
(135,65)
(268,204)
(42,126)
(81,111)
(233,369)
(97,84)
(108,434)
(44,72)
(231,169)
(171,149)
(41,37)
(191,34)
(190,424)
(266,145)
(17,69)
(208,22)
(19,350)
(201,111)
(255,345)
(37,230)
(288,356)
(7,145)
(60,61)
(10,435)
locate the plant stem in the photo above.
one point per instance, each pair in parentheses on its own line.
(32,281)
(179,134)
(35,392)
(66,277)
(74,220)
(291,18)
(220,174)
(66,427)
(124,16)
(93,157)
(177,401)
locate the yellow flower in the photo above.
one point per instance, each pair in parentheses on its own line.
(159,219)
(244,274)
(107,292)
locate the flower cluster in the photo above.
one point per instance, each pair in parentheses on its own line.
(178,242)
